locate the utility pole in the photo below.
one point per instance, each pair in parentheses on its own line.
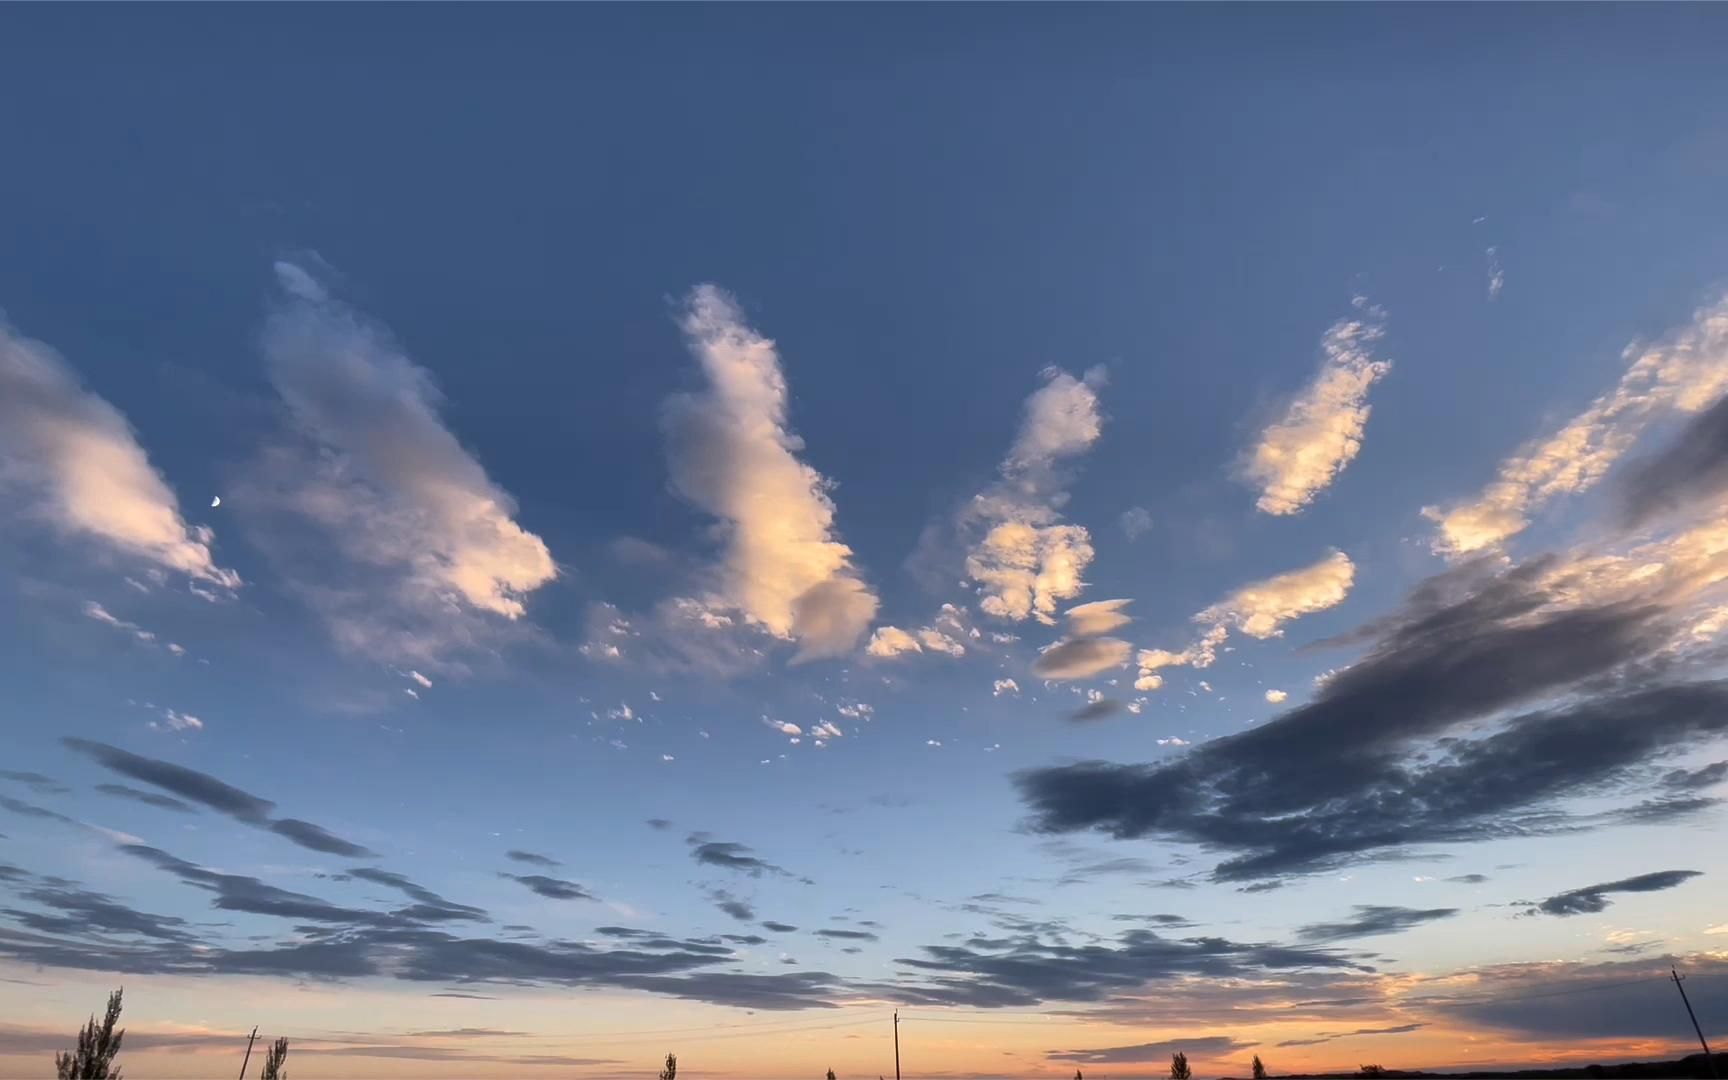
(1708,1060)
(896,1046)
(250,1039)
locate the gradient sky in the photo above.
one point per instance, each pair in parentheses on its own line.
(535,537)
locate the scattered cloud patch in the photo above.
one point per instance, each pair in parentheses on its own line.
(733,455)
(1320,433)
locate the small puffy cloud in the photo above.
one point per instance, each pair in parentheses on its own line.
(73,462)
(421,679)
(933,742)
(1276,697)
(1684,372)
(1173,740)
(1023,558)
(827,729)
(416,547)
(1004,686)
(946,634)
(1259,610)
(733,454)
(782,727)
(1320,432)
(855,710)
(1496,274)
(173,720)
(1136,522)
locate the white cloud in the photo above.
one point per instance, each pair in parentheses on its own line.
(1719,929)
(944,635)
(102,615)
(733,455)
(176,648)
(622,712)
(1136,522)
(892,641)
(1276,697)
(1321,431)
(411,692)
(427,554)
(781,727)
(855,711)
(932,742)
(1023,558)
(421,679)
(173,720)
(1173,741)
(1684,372)
(75,463)
(827,729)
(667,757)
(1496,275)
(1098,617)
(1004,686)
(1259,610)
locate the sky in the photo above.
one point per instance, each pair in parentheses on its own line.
(539,537)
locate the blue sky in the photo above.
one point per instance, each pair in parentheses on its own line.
(607,406)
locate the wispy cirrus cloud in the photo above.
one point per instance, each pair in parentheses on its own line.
(74,463)
(1302,453)
(1684,372)
(390,527)
(734,455)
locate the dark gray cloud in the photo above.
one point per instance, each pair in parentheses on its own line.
(744,939)
(1697,779)
(1207,1046)
(187,783)
(730,856)
(24,809)
(531,858)
(659,823)
(792,990)
(778,927)
(848,935)
(35,781)
(1101,709)
(1371,920)
(466,997)
(1329,1036)
(550,887)
(78,912)
(12,873)
(1594,898)
(316,838)
(1159,920)
(237,892)
(1081,658)
(1369,765)
(148,798)
(1123,866)
(206,790)
(732,906)
(1469,879)
(1687,472)
(466,1033)
(1625,999)
(1030,969)
(431,906)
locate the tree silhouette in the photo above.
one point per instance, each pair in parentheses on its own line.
(1371,1070)
(1179,1067)
(670,1072)
(276,1061)
(1077,1075)
(94,1058)
(1259,1069)
(830,1074)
